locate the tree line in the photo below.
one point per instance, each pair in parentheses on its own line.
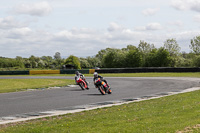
(143,55)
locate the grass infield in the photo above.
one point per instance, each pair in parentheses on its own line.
(14,85)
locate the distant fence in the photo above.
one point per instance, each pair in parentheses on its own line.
(34,72)
(72,71)
(14,72)
(107,70)
(148,69)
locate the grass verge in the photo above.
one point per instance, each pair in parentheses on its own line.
(13,85)
(176,113)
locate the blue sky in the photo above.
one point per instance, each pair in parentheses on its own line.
(83,27)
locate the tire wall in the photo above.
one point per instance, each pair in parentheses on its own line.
(145,70)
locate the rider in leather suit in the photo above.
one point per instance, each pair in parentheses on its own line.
(79,75)
(96,75)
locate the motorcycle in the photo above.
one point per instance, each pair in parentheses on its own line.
(102,86)
(82,83)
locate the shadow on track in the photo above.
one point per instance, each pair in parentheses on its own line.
(75,90)
(93,94)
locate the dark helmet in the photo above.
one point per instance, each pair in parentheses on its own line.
(95,74)
(77,73)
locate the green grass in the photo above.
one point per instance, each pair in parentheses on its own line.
(13,85)
(164,115)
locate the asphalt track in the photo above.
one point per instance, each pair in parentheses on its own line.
(19,103)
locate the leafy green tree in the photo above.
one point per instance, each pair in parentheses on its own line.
(184,62)
(41,64)
(58,61)
(20,62)
(73,60)
(134,58)
(120,59)
(185,59)
(151,59)
(102,52)
(145,49)
(48,60)
(109,59)
(4,63)
(97,61)
(159,58)
(114,59)
(129,47)
(11,63)
(94,61)
(27,63)
(84,63)
(163,58)
(172,46)
(195,45)
(196,61)
(57,56)
(34,61)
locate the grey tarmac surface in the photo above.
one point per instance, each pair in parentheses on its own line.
(18,104)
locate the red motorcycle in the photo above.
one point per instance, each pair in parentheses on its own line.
(82,83)
(102,86)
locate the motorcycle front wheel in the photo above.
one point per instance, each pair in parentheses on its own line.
(109,91)
(101,90)
(82,86)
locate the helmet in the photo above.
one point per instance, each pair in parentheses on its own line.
(95,74)
(77,73)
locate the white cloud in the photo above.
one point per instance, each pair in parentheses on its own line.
(150,11)
(105,3)
(195,5)
(180,4)
(25,41)
(154,26)
(186,4)
(149,27)
(34,9)
(10,22)
(177,23)
(19,33)
(26,35)
(114,27)
(140,28)
(197,18)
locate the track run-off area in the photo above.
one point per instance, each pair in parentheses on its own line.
(32,104)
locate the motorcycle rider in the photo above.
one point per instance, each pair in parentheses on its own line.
(78,74)
(96,76)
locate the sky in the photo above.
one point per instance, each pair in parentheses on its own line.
(84,27)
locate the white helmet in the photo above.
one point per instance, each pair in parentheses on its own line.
(95,74)
(77,73)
